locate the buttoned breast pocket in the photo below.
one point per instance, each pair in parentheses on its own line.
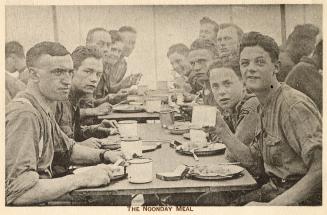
(273,148)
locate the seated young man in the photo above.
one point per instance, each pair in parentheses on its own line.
(101,38)
(208,29)
(14,61)
(177,55)
(239,108)
(202,54)
(288,140)
(307,78)
(110,59)
(88,68)
(35,144)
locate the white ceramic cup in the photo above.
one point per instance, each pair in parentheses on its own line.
(140,171)
(130,146)
(128,128)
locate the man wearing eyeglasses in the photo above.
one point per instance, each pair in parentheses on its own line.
(35,144)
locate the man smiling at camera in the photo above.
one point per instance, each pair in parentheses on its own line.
(288,140)
(35,144)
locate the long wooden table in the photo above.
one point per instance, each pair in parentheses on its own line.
(131,116)
(166,159)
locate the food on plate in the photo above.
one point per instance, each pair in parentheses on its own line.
(216,170)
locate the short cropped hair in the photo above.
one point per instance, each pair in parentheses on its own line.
(127,29)
(257,39)
(234,65)
(91,32)
(83,52)
(43,48)
(239,30)
(14,47)
(205,44)
(115,36)
(179,48)
(301,42)
(207,20)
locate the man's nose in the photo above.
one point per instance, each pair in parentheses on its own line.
(66,79)
(94,78)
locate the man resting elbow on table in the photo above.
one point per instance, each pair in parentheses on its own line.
(288,140)
(88,68)
(35,144)
(110,48)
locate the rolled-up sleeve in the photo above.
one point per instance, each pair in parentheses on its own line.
(246,125)
(22,152)
(304,130)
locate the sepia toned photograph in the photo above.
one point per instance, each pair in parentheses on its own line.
(161,106)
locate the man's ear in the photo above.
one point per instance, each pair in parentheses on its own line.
(34,74)
(277,67)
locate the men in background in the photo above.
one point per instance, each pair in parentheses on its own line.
(307,78)
(128,35)
(101,38)
(88,68)
(14,62)
(104,87)
(208,29)
(289,136)
(301,42)
(228,41)
(201,55)
(35,144)
(177,55)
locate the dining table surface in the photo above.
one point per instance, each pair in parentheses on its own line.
(166,159)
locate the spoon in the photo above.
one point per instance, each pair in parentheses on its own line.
(194,155)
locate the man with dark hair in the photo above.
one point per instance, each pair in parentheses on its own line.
(228,41)
(208,29)
(15,61)
(288,140)
(35,144)
(202,54)
(305,76)
(177,55)
(301,42)
(88,68)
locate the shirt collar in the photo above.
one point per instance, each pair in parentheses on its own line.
(272,98)
(41,100)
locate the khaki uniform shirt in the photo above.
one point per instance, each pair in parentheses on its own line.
(290,130)
(36,147)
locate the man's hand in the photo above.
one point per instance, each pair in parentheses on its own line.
(127,82)
(109,124)
(118,97)
(103,109)
(136,78)
(112,156)
(95,176)
(91,143)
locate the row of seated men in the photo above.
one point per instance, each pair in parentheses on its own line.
(272,129)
